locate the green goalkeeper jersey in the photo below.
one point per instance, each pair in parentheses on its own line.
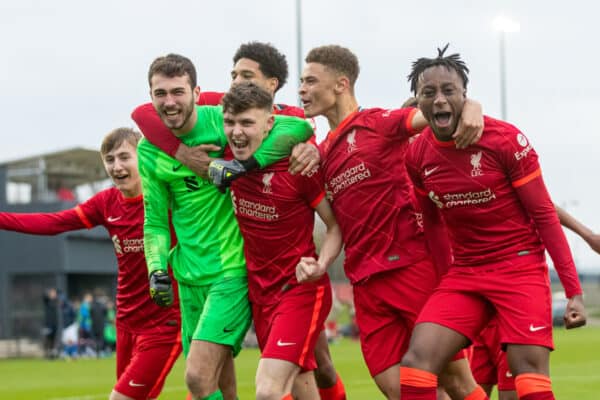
(209,244)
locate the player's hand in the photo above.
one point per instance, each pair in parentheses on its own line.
(593,241)
(305,158)
(309,270)
(575,313)
(161,289)
(222,172)
(470,125)
(196,158)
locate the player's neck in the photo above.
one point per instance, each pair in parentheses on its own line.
(133,192)
(344,106)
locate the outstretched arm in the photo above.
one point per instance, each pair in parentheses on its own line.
(568,221)
(43,223)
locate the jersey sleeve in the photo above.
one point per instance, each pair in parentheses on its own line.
(518,157)
(536,201)
(396,124)
(286,133)
(313,188)
(42,223)
(147,119)
(210,98)
(157,240)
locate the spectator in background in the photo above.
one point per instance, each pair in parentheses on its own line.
(110,330)
(51,323)
(84,318)
(98,319)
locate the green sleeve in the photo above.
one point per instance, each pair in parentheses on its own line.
(285,134)
(157,237)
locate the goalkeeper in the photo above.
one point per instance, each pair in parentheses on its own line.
(208,260)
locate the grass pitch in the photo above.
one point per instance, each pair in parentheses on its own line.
(575,373)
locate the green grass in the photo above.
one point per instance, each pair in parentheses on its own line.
(575,373)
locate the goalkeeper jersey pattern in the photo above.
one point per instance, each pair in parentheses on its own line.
(209,244)
(370,192)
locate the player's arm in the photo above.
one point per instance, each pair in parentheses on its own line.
(195,158)
(309,269)
(157,234)
(44,223)
(568,221)
(534,197)
(470,125)
(436,235)
(157,237)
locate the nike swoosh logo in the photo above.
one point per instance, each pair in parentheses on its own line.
(226,330)
(132,383)
(176,167)
(508,374)
(536,328)
(113,219)
(282,344)
(428,172)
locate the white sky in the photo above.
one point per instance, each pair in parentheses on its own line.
(72,70)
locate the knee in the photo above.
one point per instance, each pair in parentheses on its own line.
(266,391)
(198,384)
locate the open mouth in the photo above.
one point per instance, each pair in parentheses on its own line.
(120,178)
(442,119)
(239,143)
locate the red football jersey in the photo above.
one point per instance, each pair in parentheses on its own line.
(474,189)
(275,212)
(370,192)
(124,220)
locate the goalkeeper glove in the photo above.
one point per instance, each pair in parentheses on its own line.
(222,172)
(161,290)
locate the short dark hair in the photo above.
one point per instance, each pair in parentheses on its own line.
(116,137)
(173,65)
(244,96)
(270,61)
(337,58)
(451,62)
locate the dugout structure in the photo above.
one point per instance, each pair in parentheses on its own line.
(74,262)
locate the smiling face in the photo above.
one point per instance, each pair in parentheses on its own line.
(174,100)
(441,96)
(246,131)
(121,165)
(317,89)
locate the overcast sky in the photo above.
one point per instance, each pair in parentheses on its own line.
(72,70)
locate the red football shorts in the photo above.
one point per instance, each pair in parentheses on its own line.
(288,330)
(520,297)
(488,362)
(144,361)
(387,305)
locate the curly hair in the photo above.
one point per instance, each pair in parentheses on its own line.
(270,61)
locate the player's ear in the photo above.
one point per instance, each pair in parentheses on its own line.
(270,123)
(342,83)
(196,93)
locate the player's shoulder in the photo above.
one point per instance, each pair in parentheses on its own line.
(285,109)
(290,122)
(210,98)
(210,109)
(499,134)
